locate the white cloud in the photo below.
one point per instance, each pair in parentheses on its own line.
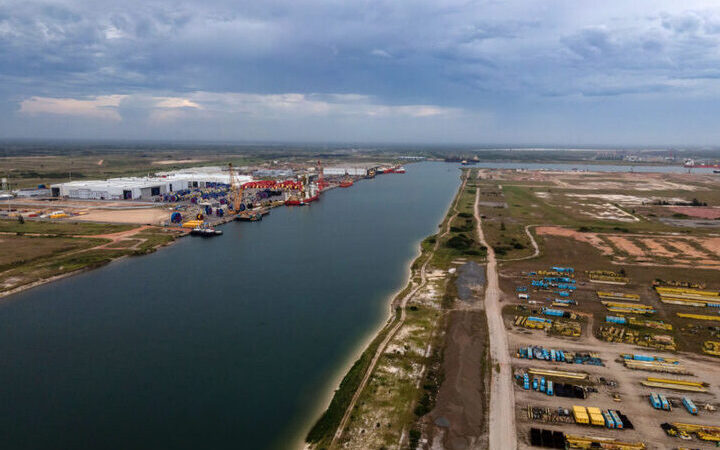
(102,107)
(381,53)
(175,102)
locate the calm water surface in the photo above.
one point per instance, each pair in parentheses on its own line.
(231,342)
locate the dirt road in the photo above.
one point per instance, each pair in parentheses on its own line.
(502,398)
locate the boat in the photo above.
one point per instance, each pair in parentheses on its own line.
(249,217)
(400,169)
(346,183)
(294,201)
(205,231)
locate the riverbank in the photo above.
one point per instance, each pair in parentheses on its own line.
(37,253)
(240,336)
(425,290)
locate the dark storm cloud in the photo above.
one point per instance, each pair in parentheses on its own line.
(278,65)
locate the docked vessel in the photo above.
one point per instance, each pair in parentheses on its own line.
(249,217)
(294,201)
(346,183)
(205,231)
(396,169)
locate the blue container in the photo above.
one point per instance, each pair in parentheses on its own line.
(553,312)
(615,319)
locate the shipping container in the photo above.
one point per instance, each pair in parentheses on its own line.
(690,406)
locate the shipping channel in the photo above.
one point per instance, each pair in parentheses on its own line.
(230,342)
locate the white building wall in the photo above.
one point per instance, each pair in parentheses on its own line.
(341,171)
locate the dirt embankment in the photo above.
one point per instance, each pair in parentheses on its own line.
(459,415)
(152,216)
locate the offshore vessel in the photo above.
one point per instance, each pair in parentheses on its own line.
(205,231)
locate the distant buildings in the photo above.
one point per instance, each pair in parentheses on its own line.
(274,173)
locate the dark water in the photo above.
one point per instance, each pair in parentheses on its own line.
(229,342)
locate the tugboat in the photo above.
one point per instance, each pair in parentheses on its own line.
(205,230)
(346,183)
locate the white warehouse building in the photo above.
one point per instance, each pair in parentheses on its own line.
(116,188)
(342,171)
(145,188)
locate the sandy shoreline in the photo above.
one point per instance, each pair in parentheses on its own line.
(299,441)
(355,354)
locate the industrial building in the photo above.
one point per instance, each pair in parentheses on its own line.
(274,173)
(116,188)
(201,176)
(360,170)
(145,188)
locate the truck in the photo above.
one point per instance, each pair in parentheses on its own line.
(526,382)
(550,388)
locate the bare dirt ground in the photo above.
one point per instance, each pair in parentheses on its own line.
(150,216)
(661,250)
(626,246)
(502,400)
(590,238)
(167,162)
(459,414)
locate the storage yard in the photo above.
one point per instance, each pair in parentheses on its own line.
(641,296)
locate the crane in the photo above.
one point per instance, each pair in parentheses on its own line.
(235,191)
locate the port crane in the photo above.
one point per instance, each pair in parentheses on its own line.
(235,191)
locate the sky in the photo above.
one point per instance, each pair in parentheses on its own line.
(550,72)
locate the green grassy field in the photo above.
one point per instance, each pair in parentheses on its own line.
(61,228)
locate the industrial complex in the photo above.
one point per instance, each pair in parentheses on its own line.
(193,198)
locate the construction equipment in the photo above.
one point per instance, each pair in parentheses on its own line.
(703,432)
(629,308)
(593,442)
(235,191)
(606,276)
(711,348)
(679,385)
(617,296)
(558,373)
(657,366)
(699,317)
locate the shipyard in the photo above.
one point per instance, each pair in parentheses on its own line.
(139,214)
